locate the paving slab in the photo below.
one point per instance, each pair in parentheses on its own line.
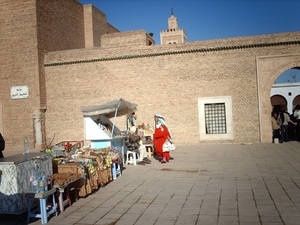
(243,184)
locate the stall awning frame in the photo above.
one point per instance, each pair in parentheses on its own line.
(119,107)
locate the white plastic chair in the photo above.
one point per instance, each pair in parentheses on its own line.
(116,169)
(131,157)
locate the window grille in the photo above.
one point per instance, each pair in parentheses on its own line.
(215,118)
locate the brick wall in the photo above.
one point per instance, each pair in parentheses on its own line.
(162,79)
(29,29)
(18,67)
(95,26)
(111,29)
(131,38)
(58,23)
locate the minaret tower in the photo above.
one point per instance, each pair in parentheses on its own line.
(173,34)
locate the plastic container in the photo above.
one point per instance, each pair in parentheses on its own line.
(32,177)
(26,145)
(35,186)
(41,186)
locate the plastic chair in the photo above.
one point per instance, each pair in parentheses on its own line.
(131,157)
(116,169)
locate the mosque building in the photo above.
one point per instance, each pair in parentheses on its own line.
(59,56)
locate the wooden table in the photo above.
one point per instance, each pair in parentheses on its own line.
(149,149)
(67,168)
(61,190)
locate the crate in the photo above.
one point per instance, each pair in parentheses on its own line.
(68,168)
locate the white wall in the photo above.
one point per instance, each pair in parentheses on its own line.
(287,90)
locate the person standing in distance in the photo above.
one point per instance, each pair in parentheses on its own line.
(297,117)
(2,145)
(161,134)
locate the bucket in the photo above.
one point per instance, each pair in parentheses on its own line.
(276,140)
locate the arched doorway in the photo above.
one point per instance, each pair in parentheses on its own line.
(296,101)
(278,102)
(268,70)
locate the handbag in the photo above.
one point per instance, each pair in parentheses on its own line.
(168,146)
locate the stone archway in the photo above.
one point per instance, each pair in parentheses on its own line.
(296,100)
(268,69)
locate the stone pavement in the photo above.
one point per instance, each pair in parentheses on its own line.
(232,184)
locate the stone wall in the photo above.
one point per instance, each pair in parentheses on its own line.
(29,29)
(95,26)
(19,67)
(111,29)
(124,39)
(163,79)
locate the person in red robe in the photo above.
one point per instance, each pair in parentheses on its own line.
(161,134)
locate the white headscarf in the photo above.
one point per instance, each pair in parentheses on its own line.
(162,121)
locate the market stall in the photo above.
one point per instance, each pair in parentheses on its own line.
(90,168)
(100,130)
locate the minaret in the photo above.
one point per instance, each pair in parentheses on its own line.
(173,34)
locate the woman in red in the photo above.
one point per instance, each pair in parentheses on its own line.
(161,134)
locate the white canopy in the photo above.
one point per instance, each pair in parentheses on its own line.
(111,109)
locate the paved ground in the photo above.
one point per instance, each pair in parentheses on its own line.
(249,184)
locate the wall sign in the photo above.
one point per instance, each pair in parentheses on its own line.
(18,92)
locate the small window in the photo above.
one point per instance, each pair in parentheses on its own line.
(215,118)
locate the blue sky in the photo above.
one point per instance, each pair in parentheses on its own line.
(205,19)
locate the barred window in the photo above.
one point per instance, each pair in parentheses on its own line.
(215,118)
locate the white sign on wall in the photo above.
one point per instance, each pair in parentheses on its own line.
(18,92)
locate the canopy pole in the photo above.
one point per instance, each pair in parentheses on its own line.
(116,112)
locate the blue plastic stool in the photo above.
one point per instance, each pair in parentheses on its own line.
(42,211)
(116,169)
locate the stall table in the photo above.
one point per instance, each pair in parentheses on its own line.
(88,181)
(15,179)
(66,189)
(115,142)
